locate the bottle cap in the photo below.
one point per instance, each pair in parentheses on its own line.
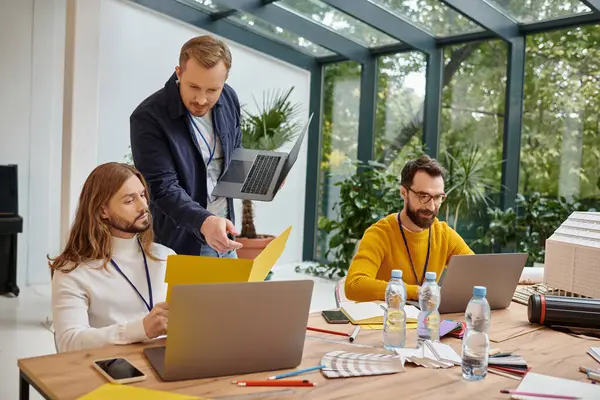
(479,291)
(430,276)
(397,273)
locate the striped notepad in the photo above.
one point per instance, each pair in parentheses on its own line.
(341,364)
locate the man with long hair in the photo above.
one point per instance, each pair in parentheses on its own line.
(108,284)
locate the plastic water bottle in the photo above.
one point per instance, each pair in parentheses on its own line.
(428,326)
(394,326)
(476,340)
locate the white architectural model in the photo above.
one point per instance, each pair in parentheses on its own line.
(572,260)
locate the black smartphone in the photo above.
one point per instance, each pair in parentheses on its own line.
(119,370)
(335,317)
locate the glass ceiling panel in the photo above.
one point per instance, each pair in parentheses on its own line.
(431,15)
(271,31)
(527,11)
(204,5)
(329,17)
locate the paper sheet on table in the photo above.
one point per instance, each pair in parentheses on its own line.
(545,384)
(186,270)
(369,313)
(125,392)
(379,327)
(431,355)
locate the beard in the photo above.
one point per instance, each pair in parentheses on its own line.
(421,218)
(136,226)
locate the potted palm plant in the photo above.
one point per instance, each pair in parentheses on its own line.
(271,127)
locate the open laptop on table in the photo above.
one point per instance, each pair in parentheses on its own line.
(233,328)
(258,174)
(499,273)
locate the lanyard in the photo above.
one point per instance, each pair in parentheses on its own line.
(149,306)
(409,256)
(211,154)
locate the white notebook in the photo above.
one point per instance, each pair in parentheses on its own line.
(544,384)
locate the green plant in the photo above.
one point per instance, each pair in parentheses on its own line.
(467,181)
(273,126)
(526,228)
(365,197)
(374,192)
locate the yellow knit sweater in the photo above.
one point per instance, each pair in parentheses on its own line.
(382,249)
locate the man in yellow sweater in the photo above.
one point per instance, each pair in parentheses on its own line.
(413,240)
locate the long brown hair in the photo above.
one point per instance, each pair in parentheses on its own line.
(90,237)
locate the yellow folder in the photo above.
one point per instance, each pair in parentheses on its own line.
(186,270)
(112,391)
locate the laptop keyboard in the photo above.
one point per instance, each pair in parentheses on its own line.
(261,174)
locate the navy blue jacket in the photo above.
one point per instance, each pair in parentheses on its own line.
(165,150)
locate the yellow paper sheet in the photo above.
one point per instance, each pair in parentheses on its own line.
(186,270)
(379,327)
(111,391)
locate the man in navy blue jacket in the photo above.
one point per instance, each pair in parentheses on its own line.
(182,139)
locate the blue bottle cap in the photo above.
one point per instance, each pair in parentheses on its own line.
(430,276)
(397,273)
(479,291)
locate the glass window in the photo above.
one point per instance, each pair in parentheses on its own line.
(205,5)
(560,151)
(266,29)
(472,130)
(340,137)
(399,112)
(525,11)
(431,15)
(329,17)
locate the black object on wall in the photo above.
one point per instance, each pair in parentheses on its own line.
(11,223)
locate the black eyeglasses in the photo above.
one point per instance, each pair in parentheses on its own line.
(425,198)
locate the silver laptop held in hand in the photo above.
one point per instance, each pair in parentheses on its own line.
(233,328)
(499,273)
(258,174)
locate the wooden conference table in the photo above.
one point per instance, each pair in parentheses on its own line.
(71,375)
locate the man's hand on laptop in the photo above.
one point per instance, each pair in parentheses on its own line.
(215,230)
(155,323)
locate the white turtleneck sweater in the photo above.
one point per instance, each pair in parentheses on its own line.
(93,307)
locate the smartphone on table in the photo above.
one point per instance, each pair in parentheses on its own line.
(335,317)
(119,370)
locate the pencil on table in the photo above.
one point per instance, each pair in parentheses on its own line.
(289,383)
(298,372)
(543,395)
(328,331)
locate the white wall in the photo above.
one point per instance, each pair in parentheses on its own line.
(16,26)
(138,53)
(30,123)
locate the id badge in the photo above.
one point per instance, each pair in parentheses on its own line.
(210,186)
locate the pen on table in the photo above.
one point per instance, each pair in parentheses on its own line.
(328,331)
(290,383)
(546,396)
(585,370)
(354,334)
(298,372)
(595,376)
